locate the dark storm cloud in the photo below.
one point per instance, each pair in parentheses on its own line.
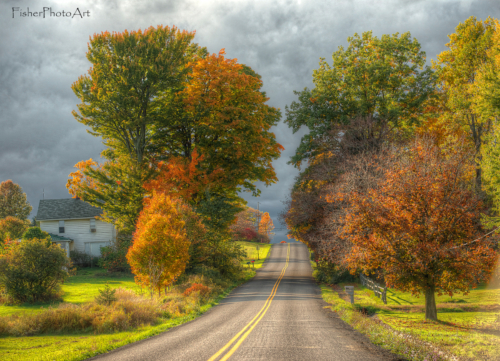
(40,141)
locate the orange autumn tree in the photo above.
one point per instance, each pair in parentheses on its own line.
(420,225)
(266,226)
(227,121)
(160,248)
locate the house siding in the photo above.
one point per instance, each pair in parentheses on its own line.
(79,231)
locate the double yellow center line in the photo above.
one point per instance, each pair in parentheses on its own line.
(251,325)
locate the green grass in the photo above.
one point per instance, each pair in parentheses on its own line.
(468,326)
(252,253)
(81,288)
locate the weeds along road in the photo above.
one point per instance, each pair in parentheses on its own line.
(278,315)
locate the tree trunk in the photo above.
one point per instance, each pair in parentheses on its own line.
(430,304)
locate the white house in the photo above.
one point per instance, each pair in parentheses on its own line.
(73,225)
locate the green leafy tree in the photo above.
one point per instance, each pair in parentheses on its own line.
(116,187)
(218,212)
(13,201)
(383,78)
(121,100)
(130,70)
(32,271)
(12,228)
(457,69)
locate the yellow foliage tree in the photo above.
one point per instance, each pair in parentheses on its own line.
(160,248)
(266,225)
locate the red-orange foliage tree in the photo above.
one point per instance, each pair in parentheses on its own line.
(339,166)
(160,248)
(420,224)
(245,224)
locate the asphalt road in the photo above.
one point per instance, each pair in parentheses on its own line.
(278,315)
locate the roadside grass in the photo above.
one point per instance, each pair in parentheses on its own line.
(468,326)
(81,290)
(252,253)
(82,345)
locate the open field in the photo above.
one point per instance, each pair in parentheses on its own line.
(468,326)
(252,253)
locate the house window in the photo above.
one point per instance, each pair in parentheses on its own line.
(92,225)
(61,226)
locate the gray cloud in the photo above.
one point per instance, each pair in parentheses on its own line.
(40,141)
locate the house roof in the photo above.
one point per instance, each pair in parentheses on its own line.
(56,238)
(69,208)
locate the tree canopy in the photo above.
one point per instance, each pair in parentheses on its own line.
(160,103)
(13,201)
(383,78)
(457,69)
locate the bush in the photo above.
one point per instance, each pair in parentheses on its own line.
(226,258)
(82,259)
(113,258)
(106,296)
(35,232)
(32,271)
(203,290)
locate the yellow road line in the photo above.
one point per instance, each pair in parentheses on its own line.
(261,313)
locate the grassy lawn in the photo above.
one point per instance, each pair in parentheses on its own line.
(252,253)
(468,326)
(81,288)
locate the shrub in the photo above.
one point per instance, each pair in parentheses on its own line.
(106,296)
(197,287)
(32,271)
(113,258)
(35,232)
(82,259)
(226,258)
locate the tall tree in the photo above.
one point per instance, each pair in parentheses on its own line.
(487,96)
(121,102)
(221,112)
(421,224)
(457,69)
(13,201)
(383,78)
(121,94)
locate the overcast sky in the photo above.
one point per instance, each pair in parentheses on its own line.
(40,58)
